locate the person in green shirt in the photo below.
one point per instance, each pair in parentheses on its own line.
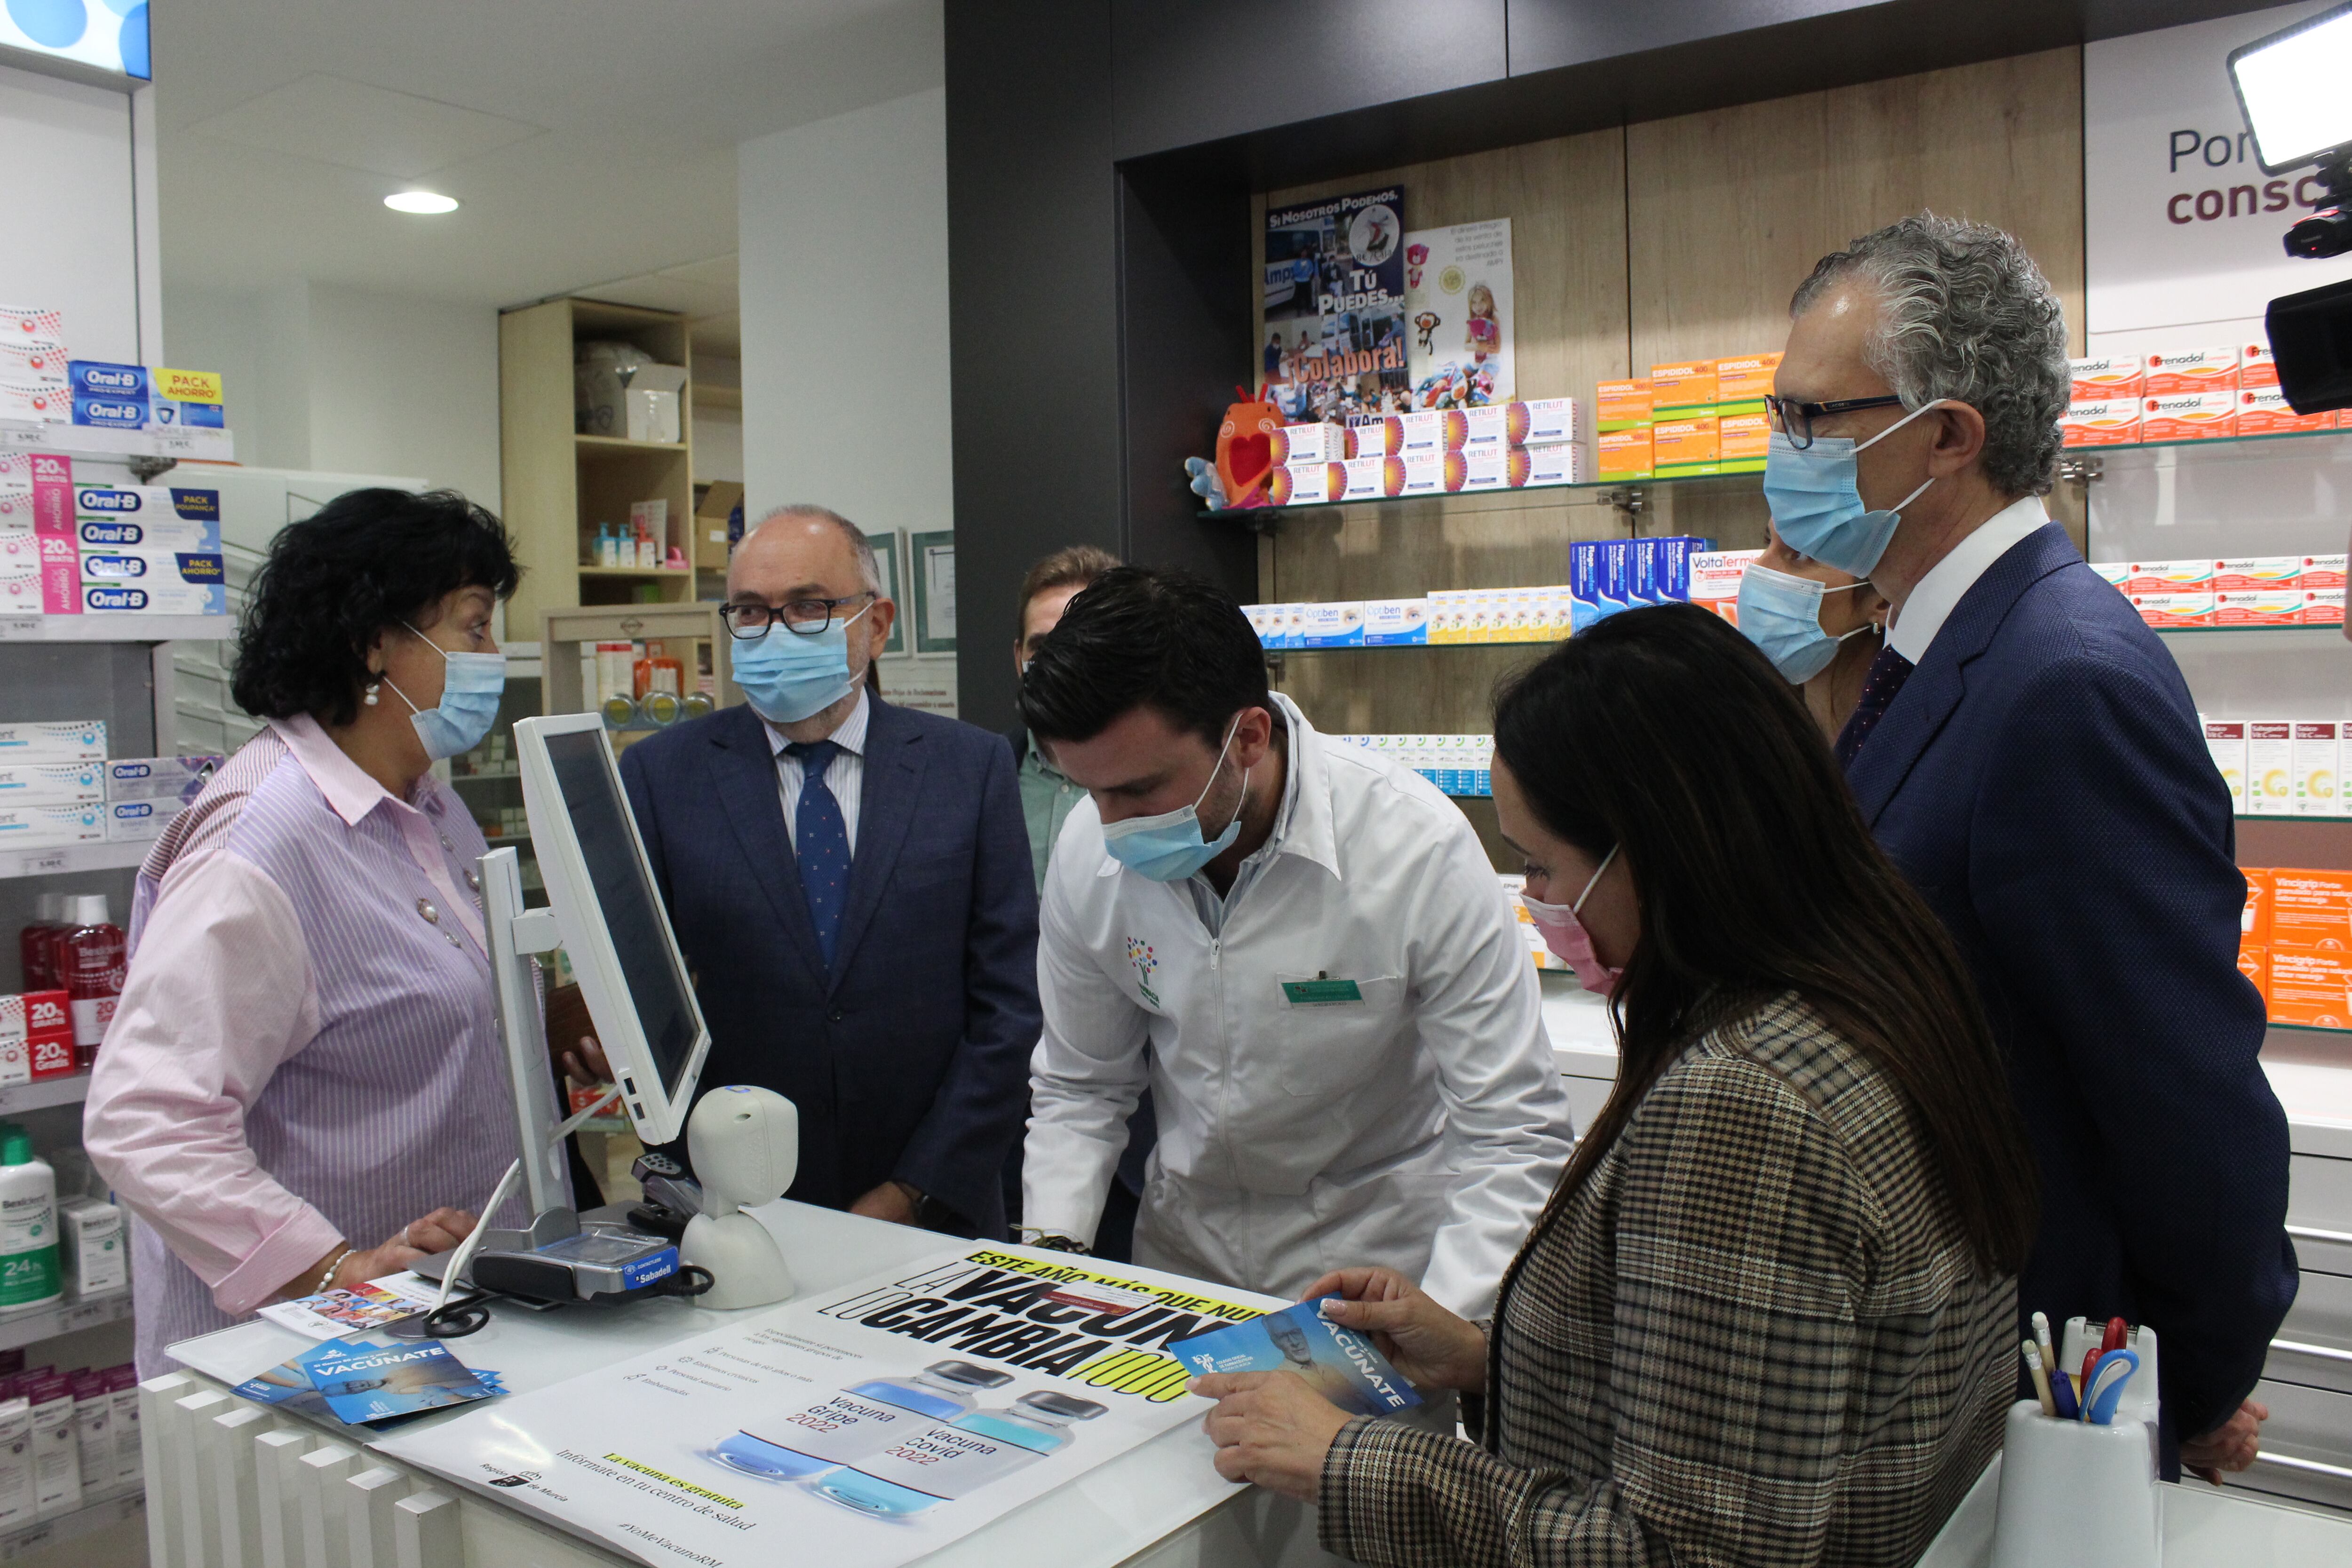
(1046,797)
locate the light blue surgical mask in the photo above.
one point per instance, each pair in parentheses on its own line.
(1781,614)
(1171,846)
(470,690)
(787,676)
(1815,506)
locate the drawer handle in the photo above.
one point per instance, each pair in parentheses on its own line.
(2326,1353)
(2307,1233)
(2313,1465)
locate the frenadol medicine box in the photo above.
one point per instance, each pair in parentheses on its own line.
(2188,416)
(2163,610)
(2105,422)
(2105,376)
(2258,572)
(2264,411)
(2257,606)
(1395,623)
(2171,372)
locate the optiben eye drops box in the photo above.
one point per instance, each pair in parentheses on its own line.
(2270,767)
(1396,623)
(2225,743)
(1338,623)
(2316,758)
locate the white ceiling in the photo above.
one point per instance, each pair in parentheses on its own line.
(590,141)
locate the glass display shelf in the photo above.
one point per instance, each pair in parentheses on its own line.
(2258,639)
(116,628)
(71,859)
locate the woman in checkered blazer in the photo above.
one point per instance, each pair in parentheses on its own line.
(1769,1314)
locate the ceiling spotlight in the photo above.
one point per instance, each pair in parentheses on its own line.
(421,202)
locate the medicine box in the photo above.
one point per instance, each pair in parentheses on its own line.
(2323,571)
(1684,447)
(1445,610)
(1556,465)
(136,821)
(2176,609)
(1489,426)
(1396,623)
(1431,430)
(1622,404)
(2258,572)
(1487,468)
(2105,422)
(1375,436)
(36,400)
(54,741)
(1372,479)
(1682,389)
(1336,625)
(1743,441)
(2270,767)
(1616,579)
(2258,607)
(2173,372)
(51,783)
(1714,574)
(36,826)
(32,360)
(1308,443)
(2225,743)
(2104,376)
(1623,454)
(1255,615)
(91,1249)
(2323,606)
(2257,368)
(2264,411)
(2309,988)
(1583,585)
(1307,484)
(2114,573)
(2311,910)
(2170,577)
(1742,382)
(2316,763)
(168,778)
(1546,421)
(1425,471)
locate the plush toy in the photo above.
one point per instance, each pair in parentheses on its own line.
(1245,450)
(1203,481)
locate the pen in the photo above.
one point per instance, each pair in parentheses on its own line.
(2033,1353)
(2090,1365)
(2118,1331)
(2062,1394)
(2042,1340)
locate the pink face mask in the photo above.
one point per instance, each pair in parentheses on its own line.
(1566,936)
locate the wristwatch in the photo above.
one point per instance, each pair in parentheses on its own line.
(1052,1242)
(932,1215)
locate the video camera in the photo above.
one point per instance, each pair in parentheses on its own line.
(2290,89)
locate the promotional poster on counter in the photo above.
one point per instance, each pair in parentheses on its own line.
(1457,302)
(861,1427)
(1334,311)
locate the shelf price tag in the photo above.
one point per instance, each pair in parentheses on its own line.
(47,865)
(20,626)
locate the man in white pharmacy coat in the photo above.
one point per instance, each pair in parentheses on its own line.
(1301,948)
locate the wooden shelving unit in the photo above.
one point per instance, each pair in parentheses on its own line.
(561,484)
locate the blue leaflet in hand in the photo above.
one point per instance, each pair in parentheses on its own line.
(1338,1363)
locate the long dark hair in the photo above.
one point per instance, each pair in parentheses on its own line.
(1665,731)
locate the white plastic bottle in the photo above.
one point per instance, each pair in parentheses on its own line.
(28,1224)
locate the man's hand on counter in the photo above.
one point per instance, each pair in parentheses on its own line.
(572,1039)
(894,1201)
(2232,1446)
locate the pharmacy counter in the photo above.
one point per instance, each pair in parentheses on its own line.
(231,1482)
(2203,1528)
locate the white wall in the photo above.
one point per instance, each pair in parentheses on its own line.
(844,258)
(344,380)
(72,244)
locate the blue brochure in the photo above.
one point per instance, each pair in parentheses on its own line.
(1338,1363)
(358,1381)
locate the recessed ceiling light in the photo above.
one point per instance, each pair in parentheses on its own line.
(421,202)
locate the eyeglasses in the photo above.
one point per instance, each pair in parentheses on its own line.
(1795,419)
(806,617)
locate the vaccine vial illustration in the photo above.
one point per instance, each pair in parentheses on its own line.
(861,1419)
(958,1458)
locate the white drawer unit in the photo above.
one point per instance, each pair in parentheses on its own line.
(2308,1377)
(2319,1213)
(2306,1446)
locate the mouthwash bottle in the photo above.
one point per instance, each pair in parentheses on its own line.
(958,1458)
(862,1419)
(28,1224)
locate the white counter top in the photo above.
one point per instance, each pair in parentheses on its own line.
(2203,1528)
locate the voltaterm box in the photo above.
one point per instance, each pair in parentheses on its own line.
(1622,404)
(1375,436)
(2311,910)
(1623,454)
(2258,607)
(2173,372)
(1558,465)
(1744,440)
(2256,367)
(1546,421)
(1395,623)
(1682,389)
(155,582)
(2270,767)
(1682,447)
(1307,444)
(1743,380)
(2225,743)
(1714,574)
(2258,572)
(2107,422)
(2323,606)
(2174,610)
(2105,376)
(2316,762)
(1336,625)
(2264,411)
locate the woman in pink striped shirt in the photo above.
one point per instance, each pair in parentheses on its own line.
(303,1080)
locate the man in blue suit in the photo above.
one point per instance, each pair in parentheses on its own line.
(850,884)
(2026,751)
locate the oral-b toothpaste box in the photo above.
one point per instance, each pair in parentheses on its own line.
(44,826)
(106,394)
(155,582)
(1339,624)
(168,413)
(180,778)
(132,821)
(54,741)
(51,783)
(1396,623)
(146,517)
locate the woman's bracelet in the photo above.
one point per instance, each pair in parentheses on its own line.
(328,1278)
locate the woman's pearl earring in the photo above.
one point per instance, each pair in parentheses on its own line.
(371,687)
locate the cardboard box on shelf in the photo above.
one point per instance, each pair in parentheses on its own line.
(2308,988)
(1375,436)
(2317,755)
(1742,382)
(2176,609)
(2105,376)
(2256,365)
(1315,443)
(2310,910)
(1396,623)
(46,826)
(2258,607)
(136,821)
(2172,372)
(1307,484)
(1429,431)
(715,530)
(155,582)
(51,783)
(2270,767)
(2188,416)
(1424,473)
(1686,446)
(2101,422)
(1487,468)
(2323,571)
(1546,421)
(54,741)
(2193,573)
(2323,606)
(1683,389)
(2225,743)
(1335,624)
(1562,464)
(1622,404)
(2264,411)
(1744,441)
(1715,576)
(1489,426)
(2258,572)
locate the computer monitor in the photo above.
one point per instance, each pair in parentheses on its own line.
(614,927)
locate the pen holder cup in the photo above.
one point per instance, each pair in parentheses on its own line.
(2077,1495)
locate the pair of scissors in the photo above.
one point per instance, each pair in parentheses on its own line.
(2105,1387)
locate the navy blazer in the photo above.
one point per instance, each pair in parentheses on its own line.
(909,1058)
(2042,781)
